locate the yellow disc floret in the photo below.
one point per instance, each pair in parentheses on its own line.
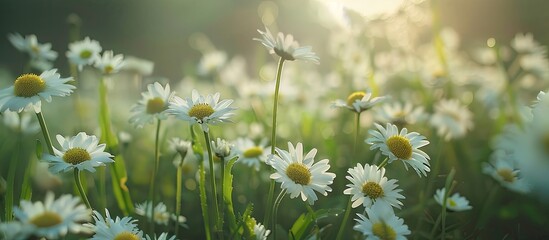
(353,97)
(76,156)
(201,110)
(298,173)
(28,85)
(253,152)
(46,219)
(451,202)
(85,54)
(126,236)
(372,189)
(507,175)
(400,146)
(383,231)
(156,105)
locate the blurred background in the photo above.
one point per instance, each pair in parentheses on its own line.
(162,31)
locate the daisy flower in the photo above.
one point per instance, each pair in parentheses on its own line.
(250,153)
(221,148)
(200,109)
(286,47)
(451,119)
(21,122)
(359,101)
(81,151)
(212,61)
(118,228)
(83,52)
(29,90)
(381,223)
(454,203)
(184,148)
(15,230)
(161,214)
(369,185)
(109,63)
(525,43)
(503,169)
(53,218)
(30,45)
(299,175)
(400,114)
(153,105)
(401,146)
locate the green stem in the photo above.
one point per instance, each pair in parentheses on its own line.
(204,200)
(8,201)
(152,189)
(382,164)
(80,188)
(357,133)
(218,224)
(275,210)
(178,197)
(345,219)
(222,206)
(45,132)
(268,213)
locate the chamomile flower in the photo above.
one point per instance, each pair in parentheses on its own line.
(359,101)
(503,169)
(401,146)
(221,148)
(525,43)
(454,203)
(81,151)
(286,47)
(451,119)
(153,105)
(369,185)
(260,232)
(200,109)
(29,90)
(212,61)
(53,218)
(184,148)
(299,175)
(83,52)
(381,223)
(15,230)
(163,236)
(400,114)
(161,214)
(109,63)
(118,228)
(30,45)
(250,153)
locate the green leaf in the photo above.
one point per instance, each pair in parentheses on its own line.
(26,189)
(300,226)
(228,191)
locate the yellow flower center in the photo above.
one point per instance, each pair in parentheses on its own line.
(383,231)
(353,97)
(298,173)
(372,190)
(76,156)
(201,110)
(85,54)
(46,219)
(155,105)
(108,69)
(451,202)
(253,152)
(28,85)
(507,174)
(35,48)
(126,236)
(400,147)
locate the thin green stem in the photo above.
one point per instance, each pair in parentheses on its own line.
(357,133)
(80,188)
(345,219)
(152,189)
(218,223)
(222,206)
(275,210)
(45,132)
(178,197)
(382,164)
(204,200)
(268,213)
